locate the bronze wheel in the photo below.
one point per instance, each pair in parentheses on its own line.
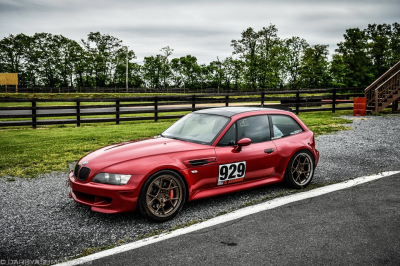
(300,170)
(162,196)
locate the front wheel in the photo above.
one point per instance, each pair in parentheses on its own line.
(162,196)
(300,170)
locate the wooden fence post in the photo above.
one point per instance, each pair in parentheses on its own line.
(193,103)
(334,101)
(297,102)
(262,98)
(155,109)
(34,123)
(395,105)
(117,112)
(227,100)
(78,113)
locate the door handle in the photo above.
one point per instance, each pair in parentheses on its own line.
(269,151)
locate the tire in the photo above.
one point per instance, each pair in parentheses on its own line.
(300,170)
(162,196)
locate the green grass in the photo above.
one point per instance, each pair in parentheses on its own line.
(113,95)
(28,152)
(322,123)
(78,95)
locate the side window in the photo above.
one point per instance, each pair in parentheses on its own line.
(283,126)
(255,128)
(229,138)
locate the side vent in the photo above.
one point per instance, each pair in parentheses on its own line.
(198,162)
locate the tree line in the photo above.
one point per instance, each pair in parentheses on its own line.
(260,59)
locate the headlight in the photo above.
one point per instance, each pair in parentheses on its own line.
(112,179)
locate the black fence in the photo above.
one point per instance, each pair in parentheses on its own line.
(13,89)
(38,112)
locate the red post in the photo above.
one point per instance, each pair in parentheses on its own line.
(360,106)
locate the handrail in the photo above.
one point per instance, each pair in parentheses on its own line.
(387,73)
(386,90)
(393,77)
(371,90)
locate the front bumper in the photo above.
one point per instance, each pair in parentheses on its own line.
(105,198)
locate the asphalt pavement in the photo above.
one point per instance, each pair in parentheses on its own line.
(39,223)
(354,226)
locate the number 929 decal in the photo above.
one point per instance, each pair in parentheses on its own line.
(231,173)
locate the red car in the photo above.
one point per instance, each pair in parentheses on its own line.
(204,154)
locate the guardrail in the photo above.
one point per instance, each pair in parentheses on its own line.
(88,110)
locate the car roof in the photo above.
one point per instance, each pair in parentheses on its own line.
(231,111)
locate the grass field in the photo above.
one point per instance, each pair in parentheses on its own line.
(28,152)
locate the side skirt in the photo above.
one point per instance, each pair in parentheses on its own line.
(225,189)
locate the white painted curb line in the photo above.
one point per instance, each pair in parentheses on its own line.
(271,204)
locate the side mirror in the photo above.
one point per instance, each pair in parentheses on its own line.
(241,143)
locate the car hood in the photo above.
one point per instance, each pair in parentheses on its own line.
(127,151)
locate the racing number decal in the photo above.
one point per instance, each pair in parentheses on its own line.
(231,173)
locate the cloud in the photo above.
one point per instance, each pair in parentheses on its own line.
(201,28)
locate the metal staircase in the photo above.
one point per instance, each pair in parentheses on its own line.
(384,91)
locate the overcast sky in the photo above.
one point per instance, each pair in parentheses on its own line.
(202,28)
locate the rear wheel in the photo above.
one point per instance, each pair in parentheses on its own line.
(300,170)
(163,196)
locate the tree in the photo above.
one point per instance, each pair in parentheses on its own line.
(178,75)
(354,51)
(216,74)
(14,51)
(166,68)
(102,51)
(379,43)
(294,49)
(70,60)
(237,73)
(152,68)
(122,55)
(189,70)
(79,63)
(135,75)
(269,56)
(246,49)
(394,44)
(203,76)
(228,72)
(314,67)
(338,71)
(46,53)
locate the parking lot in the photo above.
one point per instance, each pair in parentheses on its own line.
(39,222)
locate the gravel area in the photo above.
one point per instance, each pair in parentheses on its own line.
(39,222)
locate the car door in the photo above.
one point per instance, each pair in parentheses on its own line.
(252,162)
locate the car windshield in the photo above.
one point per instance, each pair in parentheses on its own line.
(198,128)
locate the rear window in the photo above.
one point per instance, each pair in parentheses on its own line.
(283,126)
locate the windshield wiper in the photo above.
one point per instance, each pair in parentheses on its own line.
(172,137)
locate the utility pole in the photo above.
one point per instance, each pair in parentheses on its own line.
(127,68)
